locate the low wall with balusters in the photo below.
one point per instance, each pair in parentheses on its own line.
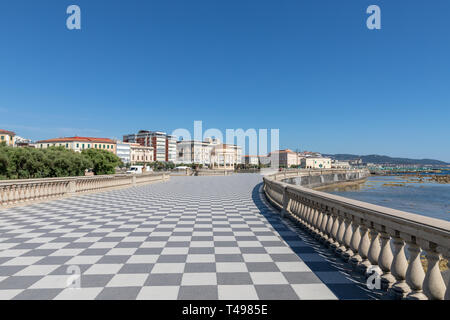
(371,238)
(15,192)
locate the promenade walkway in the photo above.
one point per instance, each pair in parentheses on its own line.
(188,238)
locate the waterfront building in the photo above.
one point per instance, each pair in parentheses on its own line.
(340,164)
(194,152)
(164,146)
(79,144)
(316,163)
(140,154)
(7,137)
(286,158)
(224,156)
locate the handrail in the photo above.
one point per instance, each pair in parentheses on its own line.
(363,234)
(13,192)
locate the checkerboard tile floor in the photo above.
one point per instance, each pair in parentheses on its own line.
(189,238)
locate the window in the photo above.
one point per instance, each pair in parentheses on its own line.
(95,146)
(67,145)
(3,138)
(89,145)
(82,146)
(78,145)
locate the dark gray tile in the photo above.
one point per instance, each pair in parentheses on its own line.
(276,292)
(198,293)
(233,278)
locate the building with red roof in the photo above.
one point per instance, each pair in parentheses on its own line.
(79,144)
(7,137)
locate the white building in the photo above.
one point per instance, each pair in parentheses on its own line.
(123,151)
(316,163)
(198,152)
(210,153)
(164,145)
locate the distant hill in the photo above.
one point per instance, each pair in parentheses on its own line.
(374,158)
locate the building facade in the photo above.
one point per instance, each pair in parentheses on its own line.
(194,152)
(123,151)
(140,154)
(286,158)
(225,156)
(316,163)
(79,144)
(164,146)
(7,137)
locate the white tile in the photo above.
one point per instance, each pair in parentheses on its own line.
(237,292)
(67,252)
(201,258)
(175,250)
(292,266)
(268,278)
(8,294)
(83,260)
(103,245)
(128,280)
(141,258)
(231,267)
(158,293)
(168,268)
(22,261)
(121,252)
(227,250)
(37,270)
(257,257)
(53,282)
(316,291)
(199,279)
(78,294)
(104,269)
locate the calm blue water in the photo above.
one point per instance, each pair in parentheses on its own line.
(427,198)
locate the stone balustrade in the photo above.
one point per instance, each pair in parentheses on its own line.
(371,238)
(13,192)
(213,172)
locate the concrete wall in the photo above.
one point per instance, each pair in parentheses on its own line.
(324,179)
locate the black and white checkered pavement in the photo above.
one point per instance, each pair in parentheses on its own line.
(189,238)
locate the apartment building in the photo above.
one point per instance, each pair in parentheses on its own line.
(7,137)
(79,144)
(164,146)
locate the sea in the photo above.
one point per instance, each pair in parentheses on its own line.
(408,193)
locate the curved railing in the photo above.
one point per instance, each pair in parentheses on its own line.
(14,192)
(371,238)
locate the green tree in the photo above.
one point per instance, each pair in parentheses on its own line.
(103,162)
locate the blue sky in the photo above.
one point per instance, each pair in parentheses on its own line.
(310,68)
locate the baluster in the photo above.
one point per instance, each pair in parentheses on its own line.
(332,240)
(399,266)
(385,261)
(326,217)
(340,235)
(433,284)
(330,223)
(318,222)
(364,247)
(355,243)
(415,274)
(347,252)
